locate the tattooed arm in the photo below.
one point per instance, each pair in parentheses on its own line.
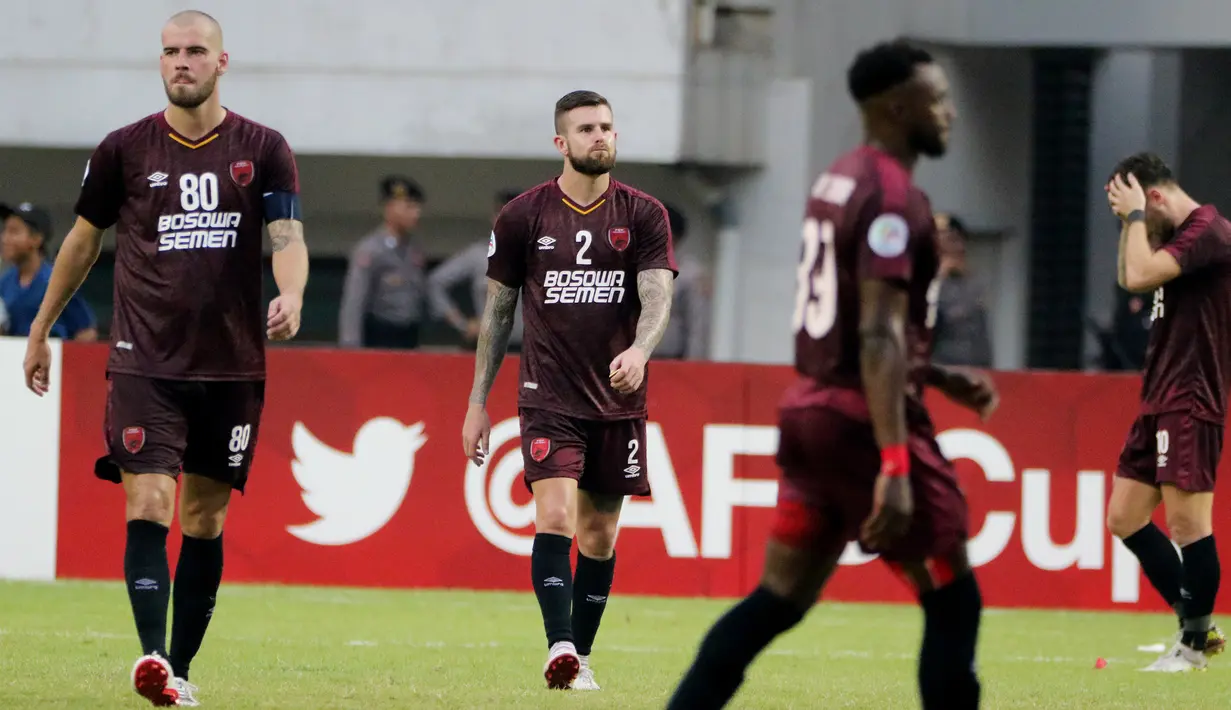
(494,332)
(291,275)
(656,288)
(290,256)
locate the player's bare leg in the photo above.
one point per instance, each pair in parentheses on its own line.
(952,609)
(1129,518)
(203,510)
(149,509)
(1190,519)
(792,580)
(598,522)
(551,571)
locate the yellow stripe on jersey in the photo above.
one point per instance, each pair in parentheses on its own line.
(194,146)
(579,210)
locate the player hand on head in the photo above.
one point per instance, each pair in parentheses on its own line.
(37,365)
(971,389)
(284,312)
(1125,196)
(892,501)
(476,434)
(628,370)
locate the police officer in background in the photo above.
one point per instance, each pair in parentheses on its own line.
(469,266)
(688,330)
(382,301)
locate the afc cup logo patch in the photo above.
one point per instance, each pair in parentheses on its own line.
(242,172)
(888,236)
(134,439)
(539,448)
(618,238)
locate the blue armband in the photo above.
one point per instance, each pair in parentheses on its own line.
(281,205)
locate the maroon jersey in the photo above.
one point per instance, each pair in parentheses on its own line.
(577,270)
(865,219)
(1188,360)
(188,217)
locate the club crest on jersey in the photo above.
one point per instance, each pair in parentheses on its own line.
(888,235)
(242,172)
(491,244)
(539,448)
(618,238)
(134,439)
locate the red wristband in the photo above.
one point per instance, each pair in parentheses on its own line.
(895,461)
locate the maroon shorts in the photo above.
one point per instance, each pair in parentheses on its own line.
(829,465)
(604,457)
(172,426)
(1172,448)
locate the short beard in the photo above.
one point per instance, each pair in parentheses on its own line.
(593,167)
(191,100)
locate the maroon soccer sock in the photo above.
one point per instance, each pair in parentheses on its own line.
(148,578)
(551,573)
(730,647)
(591,587)
(197,577)
(1159,562)
(1202,576)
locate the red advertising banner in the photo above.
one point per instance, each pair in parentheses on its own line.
(359,479)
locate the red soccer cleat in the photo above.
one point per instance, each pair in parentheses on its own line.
(562,666)
(151,679)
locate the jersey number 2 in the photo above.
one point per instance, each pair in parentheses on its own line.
(816,294)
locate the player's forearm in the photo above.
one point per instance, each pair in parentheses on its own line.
(494,332)
(882,364)
(290,260)
(1121,275)
(655,289)
(1139,273)
(78,253)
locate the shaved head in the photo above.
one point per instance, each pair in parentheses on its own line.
(189,18)
(192,58)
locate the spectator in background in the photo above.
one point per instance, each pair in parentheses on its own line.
(22,286)
(1130,332)
(688,330)
(470,266)
(382,300)
(961,335)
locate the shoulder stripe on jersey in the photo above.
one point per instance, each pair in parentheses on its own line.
(580,210)
(194,146)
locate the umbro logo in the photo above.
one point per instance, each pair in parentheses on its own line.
(158,179)
(553,582)
(632,471)
(546,243)
(236,460)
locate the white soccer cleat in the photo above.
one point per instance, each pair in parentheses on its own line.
(153,680)
(1180,659)
(187,693)
(562,665)
(585,676)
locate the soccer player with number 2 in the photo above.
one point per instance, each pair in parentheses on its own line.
(857,447)
(187,190)
(594,261)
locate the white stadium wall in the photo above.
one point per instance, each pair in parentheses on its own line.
(381,77)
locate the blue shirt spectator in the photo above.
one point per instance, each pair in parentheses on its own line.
(23,285)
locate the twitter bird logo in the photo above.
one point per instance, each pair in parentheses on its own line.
(354,495)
